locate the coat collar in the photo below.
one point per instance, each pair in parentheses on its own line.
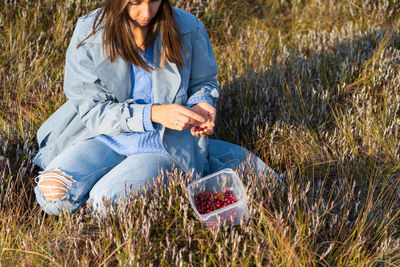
(117,77)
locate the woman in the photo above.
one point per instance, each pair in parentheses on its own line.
(141,88)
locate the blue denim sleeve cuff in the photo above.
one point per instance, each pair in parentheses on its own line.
(132,117)
(195,100)
(147,123)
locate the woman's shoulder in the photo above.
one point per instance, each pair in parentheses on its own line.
(84,27)
(186,22)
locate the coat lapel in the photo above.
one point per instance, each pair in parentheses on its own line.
(166,80)
(116,76)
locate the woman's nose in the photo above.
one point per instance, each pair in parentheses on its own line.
(146,13)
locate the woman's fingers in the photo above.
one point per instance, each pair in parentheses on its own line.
(188,118)
(180,126)
(211,116)
(175,116)
(191,116)
(209,112)
(205,109)
(202,130)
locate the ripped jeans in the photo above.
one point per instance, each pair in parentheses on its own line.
(90,171)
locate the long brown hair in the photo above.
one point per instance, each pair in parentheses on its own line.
(118,39)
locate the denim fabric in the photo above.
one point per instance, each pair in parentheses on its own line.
(98,171)
(148,141)
(227,155)
(99,93)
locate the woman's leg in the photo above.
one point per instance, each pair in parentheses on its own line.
(227,155)
(128,176)
(68,178)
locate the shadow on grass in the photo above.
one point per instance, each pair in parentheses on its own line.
(338,203)
(306,91)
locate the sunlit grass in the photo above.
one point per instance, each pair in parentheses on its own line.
(312,87)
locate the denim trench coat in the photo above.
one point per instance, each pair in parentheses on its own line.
(98,92)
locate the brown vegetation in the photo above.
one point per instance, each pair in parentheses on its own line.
(311,86)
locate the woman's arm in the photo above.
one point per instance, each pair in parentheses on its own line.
(97,107)
(202,84)
(203,89)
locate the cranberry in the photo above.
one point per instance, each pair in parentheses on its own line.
(208,202)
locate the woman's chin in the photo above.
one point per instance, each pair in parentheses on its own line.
(143,23)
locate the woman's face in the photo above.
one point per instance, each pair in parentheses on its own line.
(143,11)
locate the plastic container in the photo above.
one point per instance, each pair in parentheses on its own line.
(220,181)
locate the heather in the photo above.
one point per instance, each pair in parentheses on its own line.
(312,87)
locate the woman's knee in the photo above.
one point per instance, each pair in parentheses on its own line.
(52,191)
(101,203)
(103,199)
(54,184)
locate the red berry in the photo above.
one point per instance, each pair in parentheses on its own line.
(208,202)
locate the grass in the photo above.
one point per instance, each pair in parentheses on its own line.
(311,86)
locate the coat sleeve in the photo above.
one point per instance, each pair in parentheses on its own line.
(202,84)
(97,107)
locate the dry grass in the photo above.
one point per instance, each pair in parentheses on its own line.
(312,86)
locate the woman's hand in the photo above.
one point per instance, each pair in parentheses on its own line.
(203,129)
(176,117)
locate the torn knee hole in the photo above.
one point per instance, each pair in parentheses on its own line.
(54,184)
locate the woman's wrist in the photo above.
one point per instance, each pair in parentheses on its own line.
(154,113)
(148,124)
